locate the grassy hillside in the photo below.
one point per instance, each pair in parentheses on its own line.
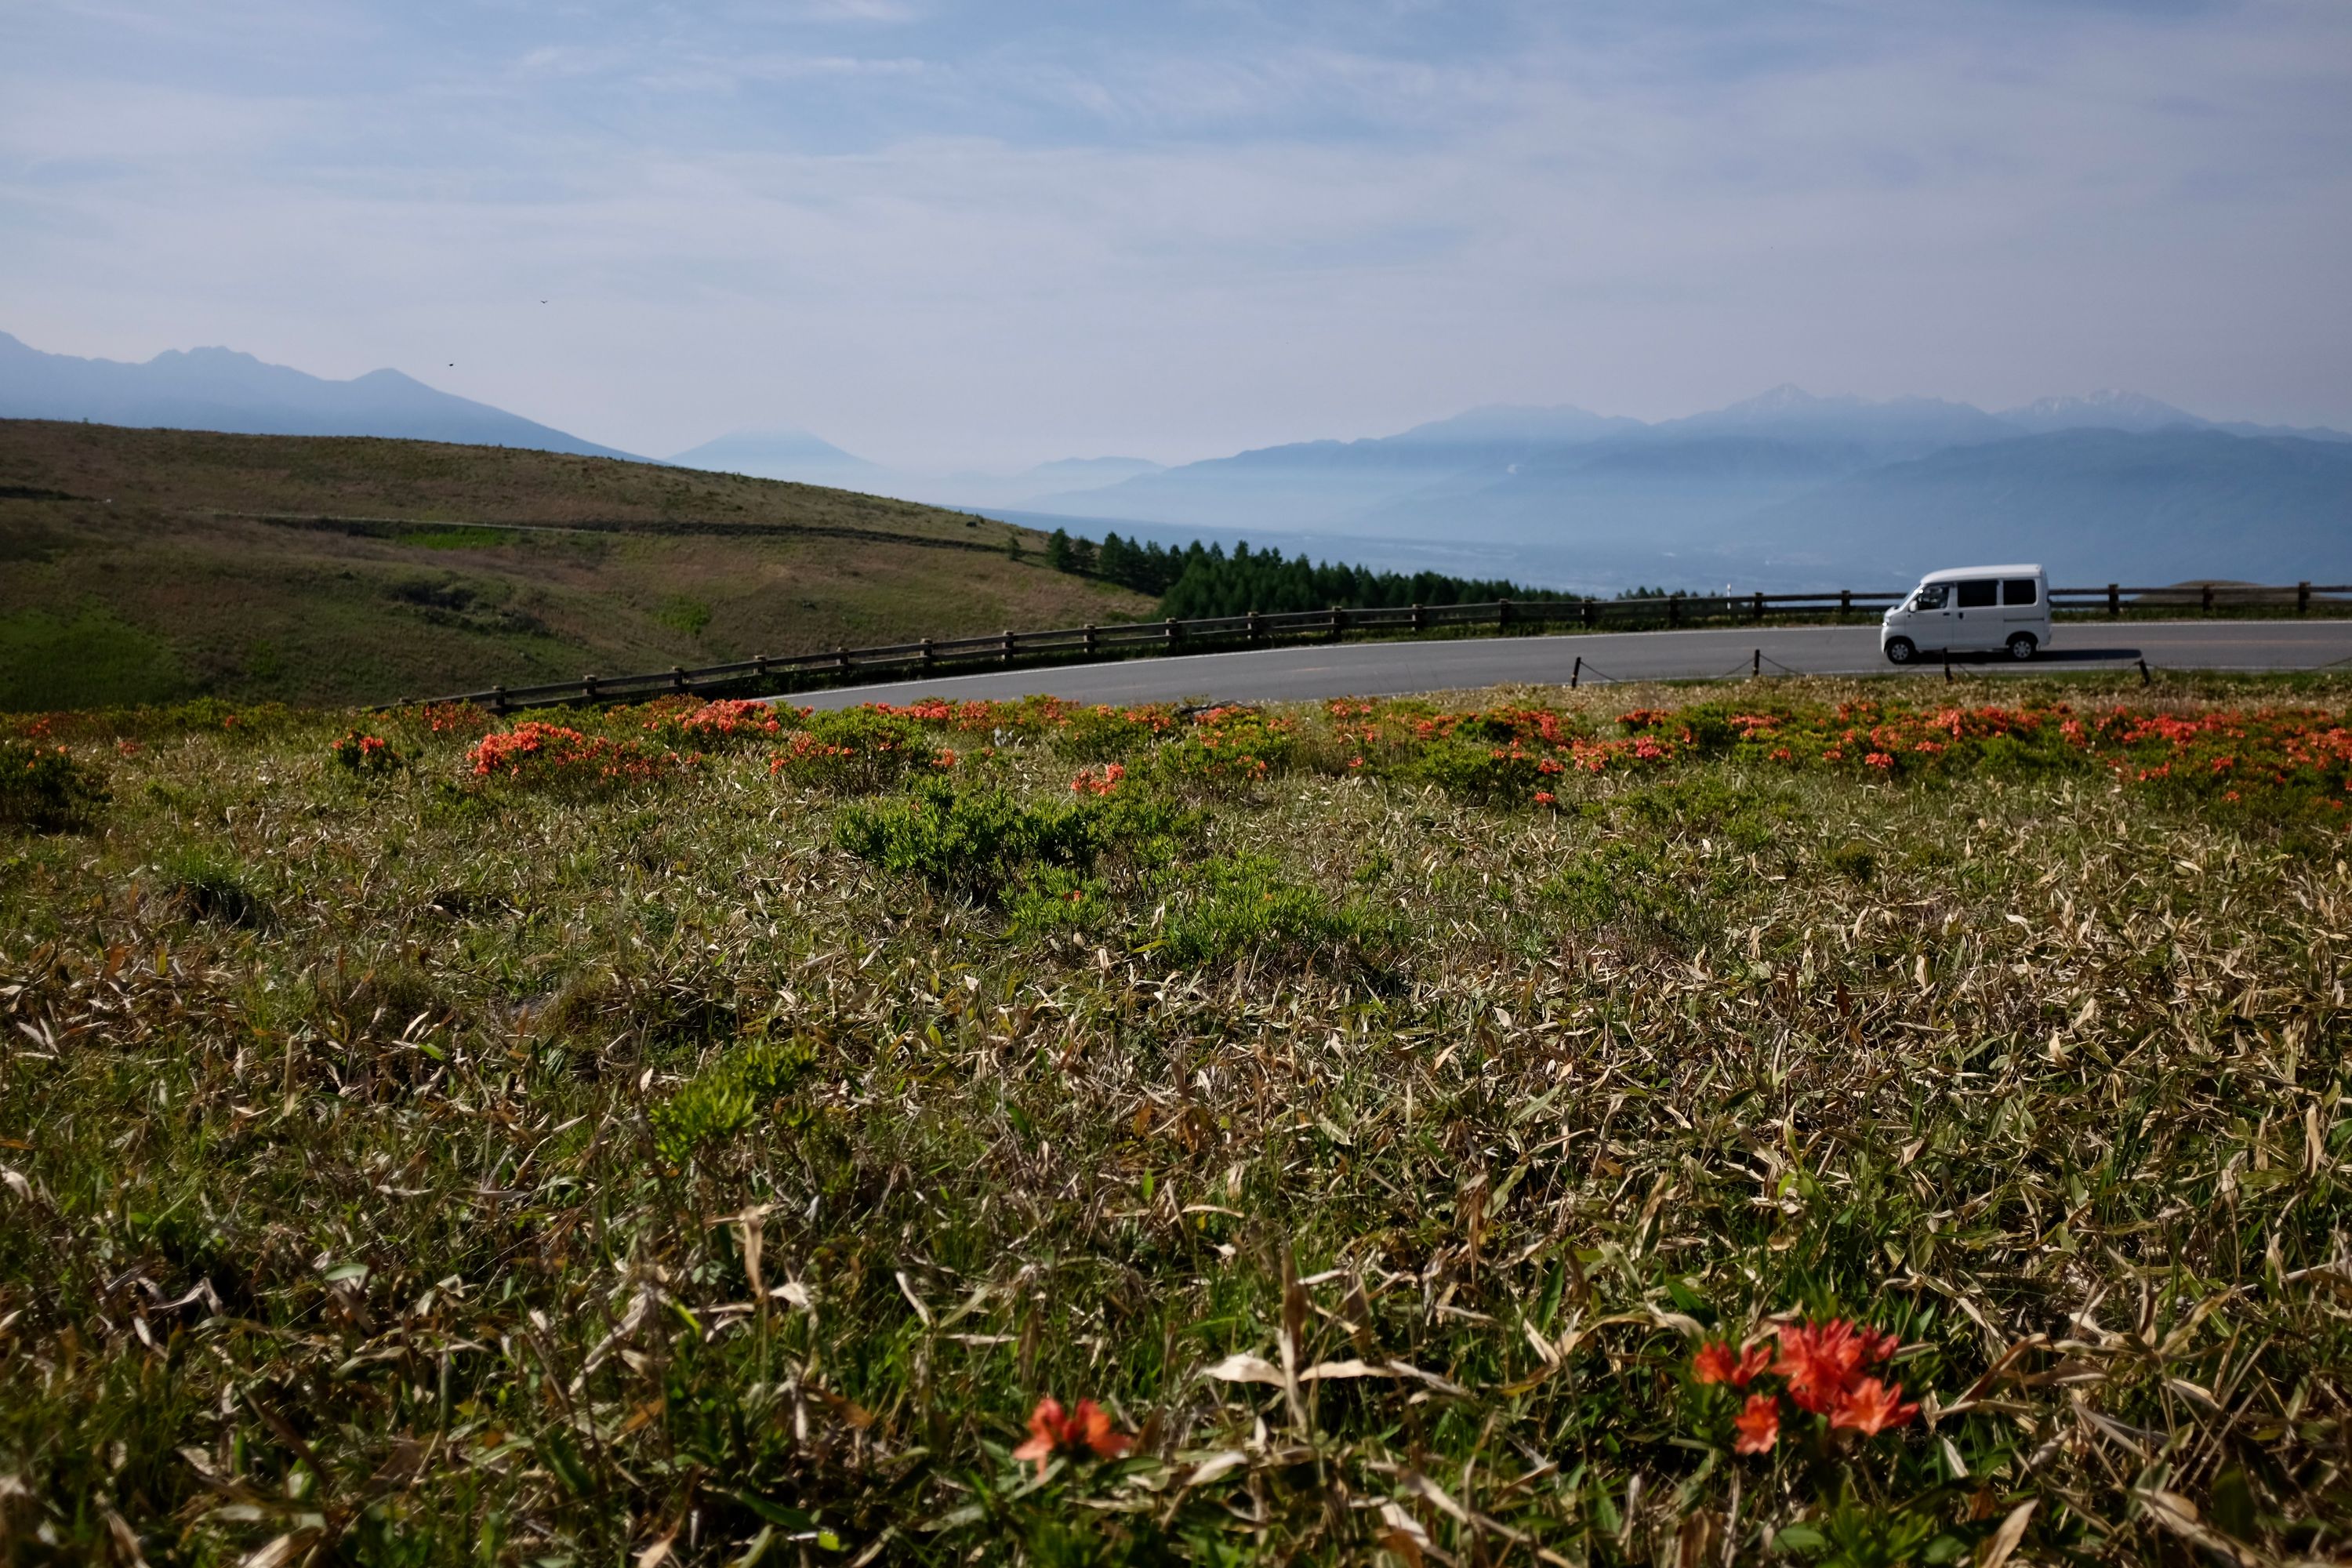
(146,565)
(1414,1123)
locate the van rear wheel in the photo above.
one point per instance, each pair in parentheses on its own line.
(1901,650)
(2021,646)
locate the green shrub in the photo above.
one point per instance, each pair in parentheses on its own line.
(1227,750)
(1244,907)
(43,789)
(1622,885)
(211,887)
(967,840)
(1489,772)
(730,1095)
(1056,900)
(1855,862)
(853,751)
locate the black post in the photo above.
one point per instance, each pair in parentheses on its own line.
(2114,601)
(1090,637)
(1587,616)
(1674,611)
(1253,633)
(1008,645)
(841,658)
(1947,669)
(2207,599)
(1502,614)
(930,658)
(2301,598)
(588,686)
(1335,623)
(1576,674)
(1419,619)
(2143,678)
(1756,666)
(1845,601)
(498,699)
(677,679)
(1760,608)
(1175,631)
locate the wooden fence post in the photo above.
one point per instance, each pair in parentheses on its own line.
(1091,641)
(1336,613)
(677,679)
(1760,607)
(1175,631)
(1419,619)
(1587,616)
(1845,601)
(2114,601)
(498,699)
(930,657)
(2301,598)
(1008,645)
(1502,614)
(2206,600)
(1674,611)
(588,686)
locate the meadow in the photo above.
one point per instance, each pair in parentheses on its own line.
(1795,1121)
(159,565)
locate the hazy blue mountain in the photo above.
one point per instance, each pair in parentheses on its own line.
(2105,410)
(2152,507)
(795,455)
(1083,473)
(1845,429)
(1312,484)
(220,389)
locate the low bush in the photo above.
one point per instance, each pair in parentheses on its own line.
(731,1095)
(1244,908)
(538,755)
(1226,749)
(854,751)
(969,841)
(360,752)
(43,788)
(210,886)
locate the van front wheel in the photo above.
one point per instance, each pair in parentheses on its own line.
(2021,646)
(1901,650)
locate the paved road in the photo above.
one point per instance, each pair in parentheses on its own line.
(1304,671)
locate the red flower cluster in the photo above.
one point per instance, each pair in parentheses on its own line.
(1078,1434)
(539,753)
(1826,1370)
(725,718)
(1097,781)
(363,753)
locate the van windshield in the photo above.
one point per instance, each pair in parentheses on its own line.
(1929,595)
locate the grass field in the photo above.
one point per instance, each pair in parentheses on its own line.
(698,1135)
(154,565)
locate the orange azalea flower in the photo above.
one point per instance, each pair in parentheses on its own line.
(1086,1430)
(1759,1424)
(1871,1408)
(1718,1363)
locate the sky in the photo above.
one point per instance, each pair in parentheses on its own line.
(946,234)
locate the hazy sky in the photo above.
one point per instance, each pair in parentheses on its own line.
(941,233)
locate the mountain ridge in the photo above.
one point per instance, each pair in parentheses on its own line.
(227,390)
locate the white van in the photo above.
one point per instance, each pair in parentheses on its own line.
(1970,609)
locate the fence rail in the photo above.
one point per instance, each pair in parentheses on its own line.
(1091,642)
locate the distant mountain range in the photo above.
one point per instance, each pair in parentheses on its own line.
(1788,490)
(1785,489)
(220,389)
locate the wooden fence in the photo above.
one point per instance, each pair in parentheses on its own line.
(1081,644)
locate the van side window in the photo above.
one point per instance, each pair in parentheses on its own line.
(2017,589)
(1979,592)
(1930,596)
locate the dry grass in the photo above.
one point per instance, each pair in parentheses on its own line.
(405,1168)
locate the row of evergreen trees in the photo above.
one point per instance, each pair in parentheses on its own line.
(1197,581)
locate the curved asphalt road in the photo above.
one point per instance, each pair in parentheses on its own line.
(1303,671)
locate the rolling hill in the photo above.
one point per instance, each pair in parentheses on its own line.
(140,565)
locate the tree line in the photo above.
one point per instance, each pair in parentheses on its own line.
(1195,581)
